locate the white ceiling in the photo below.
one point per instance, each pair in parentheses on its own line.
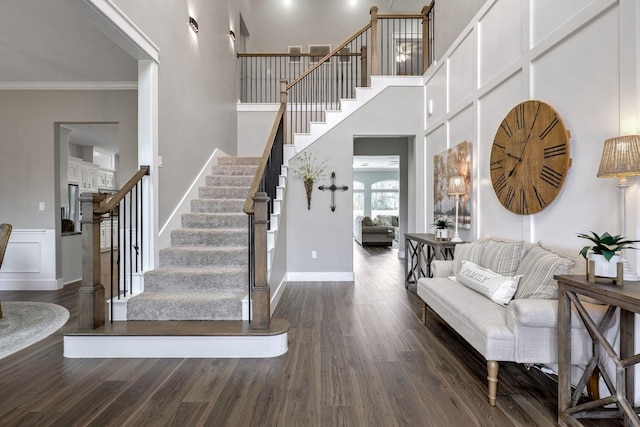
(53,41)
(103,135)
(379,163)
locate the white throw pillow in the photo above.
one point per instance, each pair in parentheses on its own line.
(498,288)
(466,252)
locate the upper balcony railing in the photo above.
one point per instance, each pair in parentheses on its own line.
(390,45)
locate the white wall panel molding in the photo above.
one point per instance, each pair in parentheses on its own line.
(30,261)
(575,55)
(68,85)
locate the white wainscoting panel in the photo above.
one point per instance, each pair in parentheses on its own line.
(30,262)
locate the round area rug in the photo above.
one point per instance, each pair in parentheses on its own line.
(25,323)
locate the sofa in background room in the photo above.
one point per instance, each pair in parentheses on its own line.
(382,230)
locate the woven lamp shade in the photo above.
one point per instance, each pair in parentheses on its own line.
(456,186)
(620,157)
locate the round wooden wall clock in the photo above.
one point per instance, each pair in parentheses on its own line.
(529,157)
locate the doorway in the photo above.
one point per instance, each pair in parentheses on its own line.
(386,155)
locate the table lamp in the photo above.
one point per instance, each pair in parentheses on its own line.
(620,159)
(456,188)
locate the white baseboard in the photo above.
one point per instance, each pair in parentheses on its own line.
(31,285)
(184,205)
(277,293)
(88,346)
(324,276)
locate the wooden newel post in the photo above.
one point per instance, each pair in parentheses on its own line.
(374,40)
(425,37)
(364,81)
(283,101)
(91,302)
(261,294)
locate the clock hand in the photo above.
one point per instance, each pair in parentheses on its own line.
(526,141)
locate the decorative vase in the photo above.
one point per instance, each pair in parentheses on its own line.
(308,186)
(442,233)
(604,268)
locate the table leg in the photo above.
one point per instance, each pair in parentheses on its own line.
(564,354)
(627,335)
(407,260)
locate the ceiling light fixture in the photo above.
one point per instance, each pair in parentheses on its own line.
(193,24)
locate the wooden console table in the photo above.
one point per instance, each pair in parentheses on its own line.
(626,298)
(414,245)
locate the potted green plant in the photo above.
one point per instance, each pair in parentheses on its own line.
(605,251)
(442,225)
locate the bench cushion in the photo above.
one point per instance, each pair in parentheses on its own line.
(481,322)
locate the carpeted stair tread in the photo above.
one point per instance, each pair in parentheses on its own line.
(215,220)
(234,170)
(229,181)
(217,205)
(184,279)
(203,256)
(223,192)
(209,237)
(220,305)
(236,161)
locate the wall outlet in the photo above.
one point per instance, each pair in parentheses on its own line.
(314,254)
(41,206)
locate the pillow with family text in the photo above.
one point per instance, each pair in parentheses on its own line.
(500,289)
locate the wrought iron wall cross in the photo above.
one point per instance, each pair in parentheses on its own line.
(333,189)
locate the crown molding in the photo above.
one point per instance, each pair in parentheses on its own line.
(69,85)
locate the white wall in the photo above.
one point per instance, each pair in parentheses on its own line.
(255,122)
(393,112)
(580,57)
(28,171)
(280,24)
(197,86)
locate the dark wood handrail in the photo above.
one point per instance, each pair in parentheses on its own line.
(329,55)
(427,9)
(286,54)
(399,15)
(248,204)
(349,40)
(117,198)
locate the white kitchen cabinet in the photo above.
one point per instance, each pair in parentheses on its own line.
(106,180)
(73,171)
(110,180)
(108,234)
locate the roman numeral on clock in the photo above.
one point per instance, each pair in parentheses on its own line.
(508,200)
(524,208)
(541,201)
(556,150)
(550,176)
(499,185)
(505,127)
(549,128)
(520,116)
(498,164)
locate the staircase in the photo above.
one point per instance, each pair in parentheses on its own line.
(203,275)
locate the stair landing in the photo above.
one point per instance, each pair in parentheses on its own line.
(177,339)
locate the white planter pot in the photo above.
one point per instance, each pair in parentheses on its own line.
(442,233)
(605,268)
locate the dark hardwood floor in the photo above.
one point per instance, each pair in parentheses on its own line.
(358,356)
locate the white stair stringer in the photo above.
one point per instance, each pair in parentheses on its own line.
(274,223)
(348,107)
